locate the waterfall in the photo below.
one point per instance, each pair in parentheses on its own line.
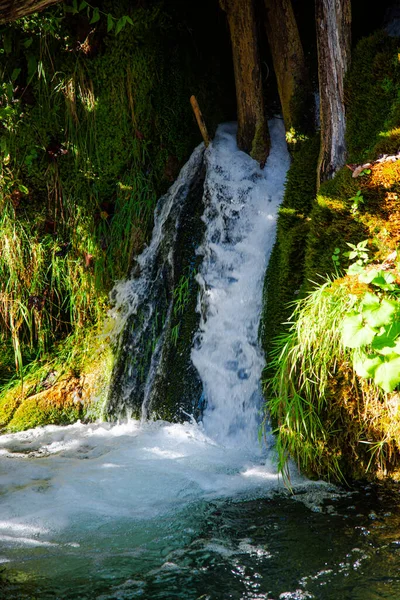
(83,502)
(241,205)
(223,369)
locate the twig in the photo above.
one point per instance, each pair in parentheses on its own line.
(200,120)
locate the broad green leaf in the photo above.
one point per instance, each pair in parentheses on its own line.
(129,20)
(378,315)
(28,43)
(82,5)
(110,23)
(386,342)
(23,189)
(370,299)
(14,74)
(354,333)
(384,280)
(365,365)
(96,16)
(355,269)
(32,66)
(368,276)
(120,25)
(387,375)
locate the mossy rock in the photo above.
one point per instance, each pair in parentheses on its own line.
(285,271)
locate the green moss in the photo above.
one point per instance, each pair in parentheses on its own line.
(285,272)
(260,144)
(8,406)
(331,225)
(371,93)
(33,413)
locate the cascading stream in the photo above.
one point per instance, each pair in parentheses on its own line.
(241,206)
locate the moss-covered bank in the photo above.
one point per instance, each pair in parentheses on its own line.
(95,124)
(334,422)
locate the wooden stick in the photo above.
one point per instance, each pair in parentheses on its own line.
(200,120)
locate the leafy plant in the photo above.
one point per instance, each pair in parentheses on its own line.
(336,259)
(372,330)
(358,252)
(356,200)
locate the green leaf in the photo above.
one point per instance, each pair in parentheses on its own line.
(354,333)
(82,5)
(28,43)
(110,23)
(96,16)
(5,112)
(75,6)
(32,66)
(368,276)
(378,315)
(384,280)
(386,342)
(387,375)
(355,269)
(365,365)
(129,20)
(14,74)
(23,189)
(370,299)
(120,25)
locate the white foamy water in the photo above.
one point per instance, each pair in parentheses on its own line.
(61,484)
(242,203)
(55,480)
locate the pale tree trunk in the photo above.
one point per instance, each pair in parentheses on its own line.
(289,63)
(252,134)
(15,9)
(333,21)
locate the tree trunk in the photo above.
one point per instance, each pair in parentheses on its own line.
(15,9)
(333,20)
(289,64)
(252,134)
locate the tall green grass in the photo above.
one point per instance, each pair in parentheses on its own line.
(304,360)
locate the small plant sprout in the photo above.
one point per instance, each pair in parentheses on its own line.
(365,172)
(336,258)
(357,200)
(358,252)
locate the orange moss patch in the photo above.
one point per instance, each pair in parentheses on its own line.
(70,398)
(60,405)
(380,213)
